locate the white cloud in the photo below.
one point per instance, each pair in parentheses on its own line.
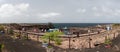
(116,12)
(12,10)
(97,14)
(49,14)
(100,11)
(105,11)
(2,1)
(94,8)
(81,10)
(45,16)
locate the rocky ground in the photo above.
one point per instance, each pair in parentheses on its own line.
(17,45)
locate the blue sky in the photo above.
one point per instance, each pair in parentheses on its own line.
(59,11)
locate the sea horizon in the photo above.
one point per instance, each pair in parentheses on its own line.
(62,25)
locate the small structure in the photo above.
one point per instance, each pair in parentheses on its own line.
(51,30)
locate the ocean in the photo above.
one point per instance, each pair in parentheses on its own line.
(62,25)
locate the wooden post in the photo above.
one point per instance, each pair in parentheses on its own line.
(105,37)
(69,40)
(77,34)
(114,36)
(90,42)
(27,36)
(37,37)
(49,40)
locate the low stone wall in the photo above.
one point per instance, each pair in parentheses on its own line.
(83,42)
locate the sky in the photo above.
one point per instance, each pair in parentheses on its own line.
(59,11)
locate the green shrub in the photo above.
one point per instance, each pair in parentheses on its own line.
(53,36)
(45,41)
(49,46)
(1,28)
(11,31)
(107,41)
(58,41)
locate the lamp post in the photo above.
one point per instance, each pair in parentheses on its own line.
(68,34)
(66,31)
(108,29)
(22,32)
(25,33)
